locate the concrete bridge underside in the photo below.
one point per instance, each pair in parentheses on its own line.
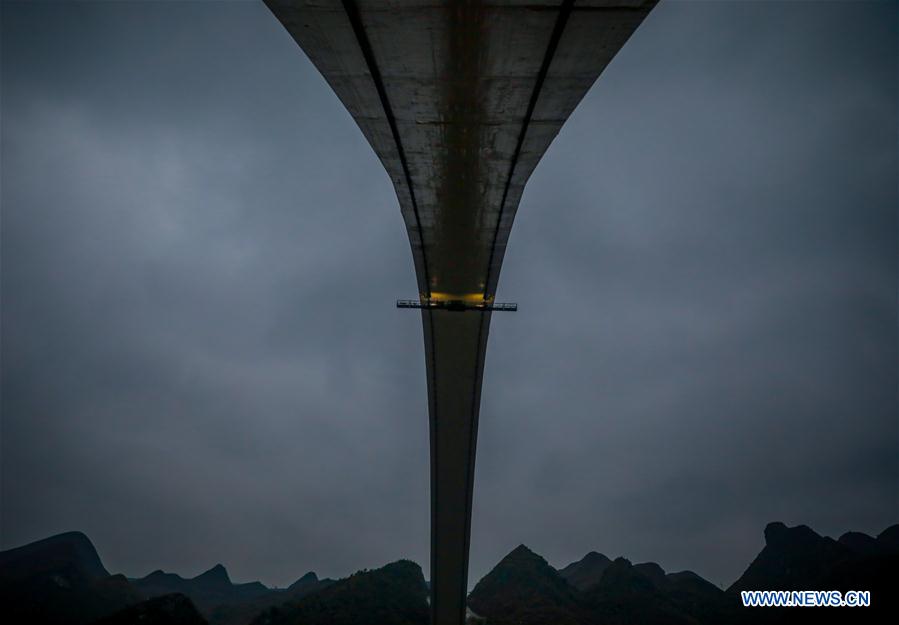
(459,100)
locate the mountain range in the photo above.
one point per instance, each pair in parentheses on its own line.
(61,580)
(523,589)
(219,599)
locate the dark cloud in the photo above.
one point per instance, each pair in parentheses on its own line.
(201,361)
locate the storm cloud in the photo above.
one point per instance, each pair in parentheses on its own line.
(201,361)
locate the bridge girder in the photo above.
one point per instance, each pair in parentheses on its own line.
(459,100)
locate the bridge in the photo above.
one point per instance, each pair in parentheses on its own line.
(459,100)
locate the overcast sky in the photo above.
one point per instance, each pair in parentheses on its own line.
(202,362)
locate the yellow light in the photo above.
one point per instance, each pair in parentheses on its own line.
(473,298)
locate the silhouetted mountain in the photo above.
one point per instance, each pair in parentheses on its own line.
(71,551)
(214,578)
(587,571)
(699,598)
(861,544)
(628,594)
(653,572)
(60,581)
(172,609)
(888,540)
(392,595)
(797,558)
(207,590)
(243,612)
(309,580)
(523,589)
(687,592)
(793,559)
